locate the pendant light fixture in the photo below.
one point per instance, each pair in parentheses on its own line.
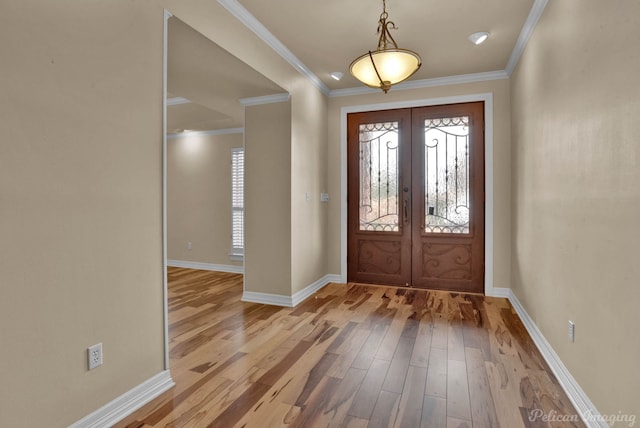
(388,64)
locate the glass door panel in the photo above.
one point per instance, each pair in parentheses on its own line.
(379,174)
(415,197)
(379,180)
(446,178)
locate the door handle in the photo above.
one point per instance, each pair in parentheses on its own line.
(406,211)
(405,205)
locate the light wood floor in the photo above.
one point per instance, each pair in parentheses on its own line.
(351,356)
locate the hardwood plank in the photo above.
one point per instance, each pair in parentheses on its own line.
(317,403)
(434,412)
(342,337)
(315,376)
(353,422)
(455,342)
(422,346)
(390,341)
(368,350)
(241,405)
(457,423)
(412,399)
(339,404)
(506,395)
(394,381)
(444,359)
(347,353)
(440,329)
(457,391)
(483,413)
(367,395)
(437,373)
(385,411)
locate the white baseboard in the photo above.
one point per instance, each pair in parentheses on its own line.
(500,292)
(205,266)
(289,301)
(267,299)
(303,294)
(127,403)
(577,396)
(334,278)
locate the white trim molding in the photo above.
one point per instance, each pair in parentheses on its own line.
(267,299)
(205,266)
(289,301)
(266,99)
(586,409)
(425,83)
(127,403)
(165,292)
(312,288)
(252,23)
(176,100)
(487,98)
(500,292)
(188,134)
(525,34)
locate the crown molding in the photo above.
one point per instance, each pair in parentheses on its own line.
(177,100)
(250,21)
(425,83)
(267,99)
(226,131)
(525,34)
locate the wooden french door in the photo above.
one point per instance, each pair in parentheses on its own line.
(416,197)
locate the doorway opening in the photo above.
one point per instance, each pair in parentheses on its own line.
(415,190)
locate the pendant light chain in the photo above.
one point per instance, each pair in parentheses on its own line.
(388,64)
(383,29)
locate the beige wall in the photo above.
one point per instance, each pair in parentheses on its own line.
(308,174)
(308,137)
(80,205)
(80,192)
(199,198)
(268,198)
(576,192)
(501,161)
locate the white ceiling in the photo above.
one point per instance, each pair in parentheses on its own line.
(212,79)
(325,36)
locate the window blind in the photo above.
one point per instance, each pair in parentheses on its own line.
(237,201)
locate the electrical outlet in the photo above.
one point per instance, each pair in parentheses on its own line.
(572,331)
(189,246)
(94,356)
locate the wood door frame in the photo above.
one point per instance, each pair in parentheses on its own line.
(488,166)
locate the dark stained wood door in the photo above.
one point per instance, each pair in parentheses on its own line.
(416,197)
(448,195)
(379,192)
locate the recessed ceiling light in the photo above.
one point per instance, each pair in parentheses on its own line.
(336,75)
(479,37)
